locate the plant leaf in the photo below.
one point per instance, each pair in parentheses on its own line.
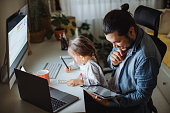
(74,24)
(72,32)
(49,34)
(56,22)
(54,17)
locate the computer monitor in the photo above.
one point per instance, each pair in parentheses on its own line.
(16,42)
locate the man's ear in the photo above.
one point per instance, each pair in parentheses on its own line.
(131,31)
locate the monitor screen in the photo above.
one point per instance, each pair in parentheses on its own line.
(16,39)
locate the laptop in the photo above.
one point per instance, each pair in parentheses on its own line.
(36,91)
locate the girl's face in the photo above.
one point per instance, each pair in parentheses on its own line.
(77,58)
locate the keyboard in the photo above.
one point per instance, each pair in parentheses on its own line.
(53,68)
(56,103)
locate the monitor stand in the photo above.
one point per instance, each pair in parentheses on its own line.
(22,68)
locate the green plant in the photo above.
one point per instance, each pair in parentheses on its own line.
(84,30)
(60,22)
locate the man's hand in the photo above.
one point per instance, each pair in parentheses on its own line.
(117,57)
(75,82)
(101,101)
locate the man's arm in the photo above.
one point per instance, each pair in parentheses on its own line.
(146,80)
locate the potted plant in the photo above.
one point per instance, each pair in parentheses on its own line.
(38,13)
(84,30)
(60,23)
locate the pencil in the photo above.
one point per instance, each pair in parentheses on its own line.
(64,62)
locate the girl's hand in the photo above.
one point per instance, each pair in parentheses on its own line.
(75,82)
(67,70)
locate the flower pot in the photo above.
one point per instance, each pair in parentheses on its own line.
(58,32)
(37,37)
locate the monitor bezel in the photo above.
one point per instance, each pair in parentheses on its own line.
(22,53)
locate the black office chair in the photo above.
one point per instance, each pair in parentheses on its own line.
(149,18)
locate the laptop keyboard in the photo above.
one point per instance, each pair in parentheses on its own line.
(56,103)
(53,68)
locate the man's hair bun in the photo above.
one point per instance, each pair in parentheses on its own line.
(125,7)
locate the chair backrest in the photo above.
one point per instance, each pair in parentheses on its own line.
(149,18)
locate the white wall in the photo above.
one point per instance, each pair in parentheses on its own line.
(93,11)
(7,8)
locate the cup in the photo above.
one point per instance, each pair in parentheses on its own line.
(44,74)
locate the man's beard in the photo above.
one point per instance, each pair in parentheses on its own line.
(131,43)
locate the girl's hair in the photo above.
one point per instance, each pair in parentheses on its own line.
(118,20)
(83,46)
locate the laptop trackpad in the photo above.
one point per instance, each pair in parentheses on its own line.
(55,93)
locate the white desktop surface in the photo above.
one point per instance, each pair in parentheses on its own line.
(50,51)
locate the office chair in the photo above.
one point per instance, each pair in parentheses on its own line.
(149,18)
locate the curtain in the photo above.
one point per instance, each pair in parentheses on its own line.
(93,11)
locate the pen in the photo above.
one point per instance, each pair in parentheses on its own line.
(64,62)
(89,85)
(64,41)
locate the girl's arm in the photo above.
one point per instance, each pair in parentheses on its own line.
(95,76)
(75,82)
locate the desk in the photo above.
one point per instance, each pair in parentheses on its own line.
(78,106)
(49,51)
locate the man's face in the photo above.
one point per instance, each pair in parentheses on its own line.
(121,42)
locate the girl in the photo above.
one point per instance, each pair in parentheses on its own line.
(84,54)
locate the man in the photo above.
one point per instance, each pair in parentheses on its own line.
(135,61)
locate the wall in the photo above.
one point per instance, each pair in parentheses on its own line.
(93,11)
(7,8)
